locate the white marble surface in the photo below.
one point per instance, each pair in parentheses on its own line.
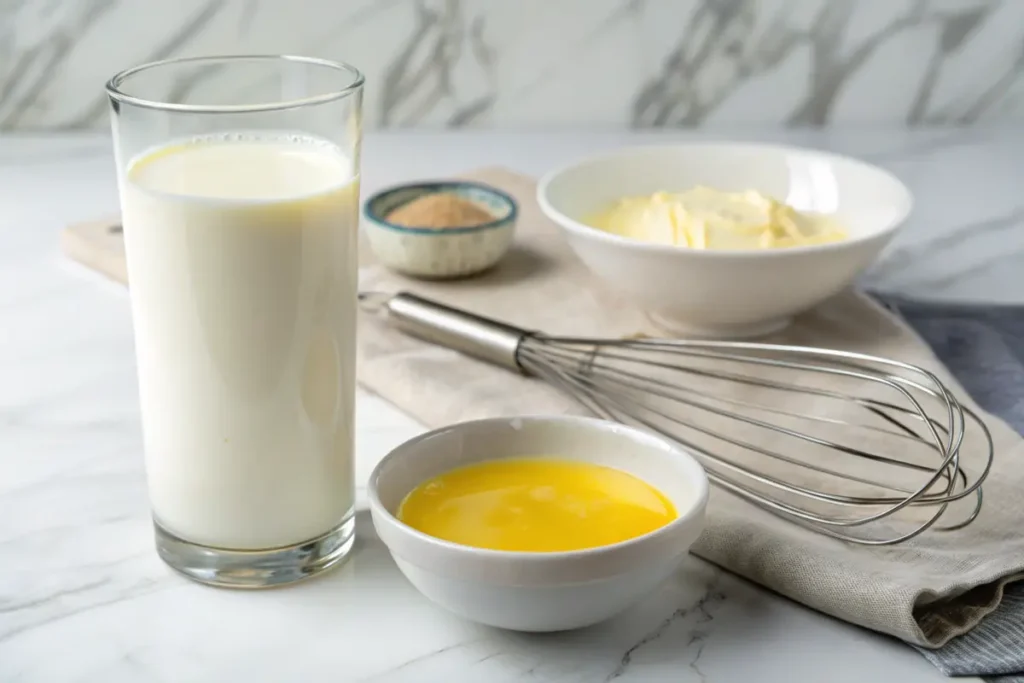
(84,598)
(485,63)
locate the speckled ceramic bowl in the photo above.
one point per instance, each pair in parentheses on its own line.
(440,252)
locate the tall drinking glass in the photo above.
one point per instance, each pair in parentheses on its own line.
(240,214)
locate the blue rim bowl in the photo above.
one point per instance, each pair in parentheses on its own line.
(491,198)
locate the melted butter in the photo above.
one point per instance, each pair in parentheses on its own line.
(705,218)
(536,505)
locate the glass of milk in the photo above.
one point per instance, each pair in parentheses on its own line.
(239,186)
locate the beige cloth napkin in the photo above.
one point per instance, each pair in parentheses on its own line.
(925,591)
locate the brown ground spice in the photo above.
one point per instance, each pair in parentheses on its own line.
(442,210)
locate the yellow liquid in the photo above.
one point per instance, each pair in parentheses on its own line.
(536,505)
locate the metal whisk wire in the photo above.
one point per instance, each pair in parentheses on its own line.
(580,367)
(682,389)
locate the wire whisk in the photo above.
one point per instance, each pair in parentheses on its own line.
(853,446)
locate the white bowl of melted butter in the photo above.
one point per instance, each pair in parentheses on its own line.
(538,523)
(725,239)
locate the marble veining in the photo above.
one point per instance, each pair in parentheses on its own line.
(480,63)
(702,616)
(744,42)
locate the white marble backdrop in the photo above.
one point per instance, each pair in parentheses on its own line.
(519,63)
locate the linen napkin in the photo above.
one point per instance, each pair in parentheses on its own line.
(925,592)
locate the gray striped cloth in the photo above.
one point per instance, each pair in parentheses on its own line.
(983,347)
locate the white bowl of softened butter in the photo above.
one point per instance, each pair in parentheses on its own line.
(539,591)
(727,292)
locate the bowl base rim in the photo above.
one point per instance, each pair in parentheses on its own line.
(685,329)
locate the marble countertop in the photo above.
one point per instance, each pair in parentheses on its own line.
(83,596)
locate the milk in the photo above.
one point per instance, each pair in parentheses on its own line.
(242,265)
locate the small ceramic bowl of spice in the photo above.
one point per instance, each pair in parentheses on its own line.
(443,229)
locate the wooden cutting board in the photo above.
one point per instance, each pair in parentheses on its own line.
(99,244)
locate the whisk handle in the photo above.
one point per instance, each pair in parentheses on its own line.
(468,333)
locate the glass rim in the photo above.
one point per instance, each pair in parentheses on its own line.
(114,91)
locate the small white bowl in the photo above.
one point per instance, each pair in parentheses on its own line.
(539,591)
(717,292)
(439,253)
